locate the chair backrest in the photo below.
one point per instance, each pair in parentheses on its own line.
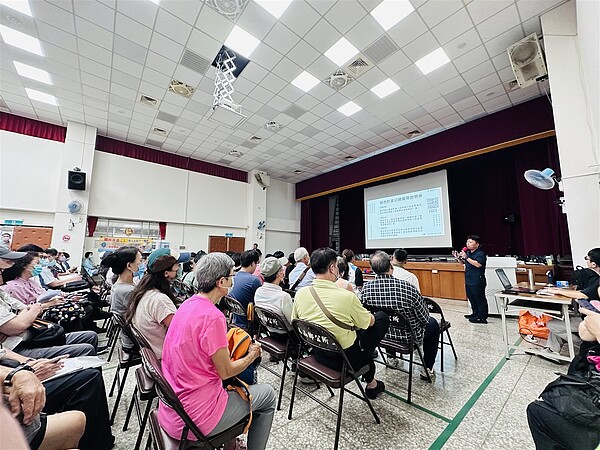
(168,396)
(233,306)
(124,326)
(267,318)
(139,337)
(433,307)
(397,320)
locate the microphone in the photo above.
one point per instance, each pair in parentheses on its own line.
(464,249)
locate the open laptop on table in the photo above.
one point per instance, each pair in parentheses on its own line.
(509,288)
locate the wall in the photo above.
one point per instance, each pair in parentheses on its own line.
(283,218)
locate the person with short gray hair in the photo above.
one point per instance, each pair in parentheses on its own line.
(302,275)
(195,361)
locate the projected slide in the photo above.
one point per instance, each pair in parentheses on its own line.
(407,215)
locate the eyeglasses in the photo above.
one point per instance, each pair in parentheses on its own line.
(229,276)
(587,258)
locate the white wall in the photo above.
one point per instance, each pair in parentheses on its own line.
(283,218)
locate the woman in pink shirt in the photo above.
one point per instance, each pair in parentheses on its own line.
(21,280)
(195,361)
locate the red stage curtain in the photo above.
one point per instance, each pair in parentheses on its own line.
(32,127)
(162,229)
(91,223)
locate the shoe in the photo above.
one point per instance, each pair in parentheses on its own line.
(468,316)
(274,359)
(423,374)
(102,350)
(475,320)
(394,363)
(372,393)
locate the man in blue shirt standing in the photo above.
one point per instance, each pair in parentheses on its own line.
(245,284)
(474,260)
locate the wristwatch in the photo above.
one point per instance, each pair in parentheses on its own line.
(8,380)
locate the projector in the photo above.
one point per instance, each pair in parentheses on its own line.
(227,113)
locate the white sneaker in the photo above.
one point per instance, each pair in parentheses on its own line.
(423,374)
(395,363)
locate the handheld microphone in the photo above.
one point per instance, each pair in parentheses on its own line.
(464,249)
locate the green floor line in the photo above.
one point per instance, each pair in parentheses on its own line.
(431,413)
(454,423)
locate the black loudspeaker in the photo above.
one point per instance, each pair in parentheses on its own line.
(76,180)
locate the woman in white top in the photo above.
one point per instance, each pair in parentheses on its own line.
(343,281)
(152,303)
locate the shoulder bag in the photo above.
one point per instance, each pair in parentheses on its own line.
(330,316)
(44,334)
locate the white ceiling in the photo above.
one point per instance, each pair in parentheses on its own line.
(103,55)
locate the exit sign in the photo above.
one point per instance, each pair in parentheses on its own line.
(13,222)
(228,234)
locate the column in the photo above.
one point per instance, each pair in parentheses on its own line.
(257,213)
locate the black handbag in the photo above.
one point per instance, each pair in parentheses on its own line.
(65,313)
(44,334)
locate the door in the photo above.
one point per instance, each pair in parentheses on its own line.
(226,244)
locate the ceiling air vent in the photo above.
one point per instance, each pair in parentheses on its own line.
(381,49)
(235,153)
(358,66)
(159,131)
(170,118)
(273,126)
(148,101)
(414,133)
(338,79)
(154,143)
(195,62)
(255,139)
(349,158)
(294,111)
(232,9)
(185,90)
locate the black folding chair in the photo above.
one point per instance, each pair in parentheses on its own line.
(434,308)
(316,336)
(160,439)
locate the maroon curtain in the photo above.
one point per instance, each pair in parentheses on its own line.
(115,147)
(31,127)
(162,229)
(314,223)
(91,223)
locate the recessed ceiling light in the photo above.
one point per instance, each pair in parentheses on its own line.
(349,158)
(434,60)
(349,108)
(41,96)
(305,81)
(155,1)
(18,5)
(462,45)
(489,94)
(275,7)
(385,88)
(32,72)
(389,12)
(297,172)
(235,153)
(21,40)
(341,51)
(241,42)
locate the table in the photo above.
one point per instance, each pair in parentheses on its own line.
(556,306)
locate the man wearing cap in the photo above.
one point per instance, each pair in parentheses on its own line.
(270,295)
(181,258)
(245,284)
(16,318)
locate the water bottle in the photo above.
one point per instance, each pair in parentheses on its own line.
(531,281)
(550,277)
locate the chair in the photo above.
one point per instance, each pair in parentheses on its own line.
(276,347)
(160,439)
(434,308)
(401,324)
(112,333)
(316,336)
(235,307)
(126,361)
(144,392)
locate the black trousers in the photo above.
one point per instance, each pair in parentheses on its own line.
(360,353)
(83,391)
(553,432)
(431,340)
(476,295)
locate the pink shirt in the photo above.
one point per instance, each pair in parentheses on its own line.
(25,290)
(197,331)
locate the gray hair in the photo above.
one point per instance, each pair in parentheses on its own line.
(300,253)
(210,269)
(380,262)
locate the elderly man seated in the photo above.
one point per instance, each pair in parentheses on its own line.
(386,291)
(302,275)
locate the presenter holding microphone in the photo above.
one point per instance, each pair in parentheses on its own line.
(474,260)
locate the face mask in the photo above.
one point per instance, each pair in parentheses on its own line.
(51,263)
(141,271)
(37,269)
(62,259)
(44,262)
(179,272)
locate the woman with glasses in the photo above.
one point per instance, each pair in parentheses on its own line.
(152,303)
(196,361)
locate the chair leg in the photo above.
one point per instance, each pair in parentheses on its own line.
(338,424)
(143,425)
(364,394)
(285,360)
(113,344)
(442,351)
(114,382)
(119,394)
(423,363)
(130,409)
(410,375)
(451,344)
(295,384)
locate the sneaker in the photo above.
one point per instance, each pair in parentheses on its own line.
(474,320)
(373,393)
(423,374)
(394,363)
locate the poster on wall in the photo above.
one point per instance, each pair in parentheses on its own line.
(112,243)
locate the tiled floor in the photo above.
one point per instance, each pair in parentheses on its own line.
(478,402)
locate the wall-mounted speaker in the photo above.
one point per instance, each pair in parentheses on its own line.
(76,180)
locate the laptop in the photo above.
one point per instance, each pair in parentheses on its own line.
(509,288)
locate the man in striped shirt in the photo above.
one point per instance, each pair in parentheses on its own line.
(389,292)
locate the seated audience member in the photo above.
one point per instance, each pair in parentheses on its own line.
(558,334)
(124,262)
(270,295)
(190,278)
(88,264)
(196,361)
(398,262)
(550,429)
(256,272)
(385,291)
(82,390)
(21,278)
(51,276)
(5,241)
(346,307)
(343,281)
(355,274)
(245,285)
(63,262)
(302,275)
(152,303)
(291,265)
(16,318)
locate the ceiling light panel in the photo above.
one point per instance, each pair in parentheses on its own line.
(434,60)
(341,51)
(18,5)
(241,41)
(32,72)
(305,81)
(275,7)
(21,40)
(385,88)
(389,12)
(349,108)
(41,97)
